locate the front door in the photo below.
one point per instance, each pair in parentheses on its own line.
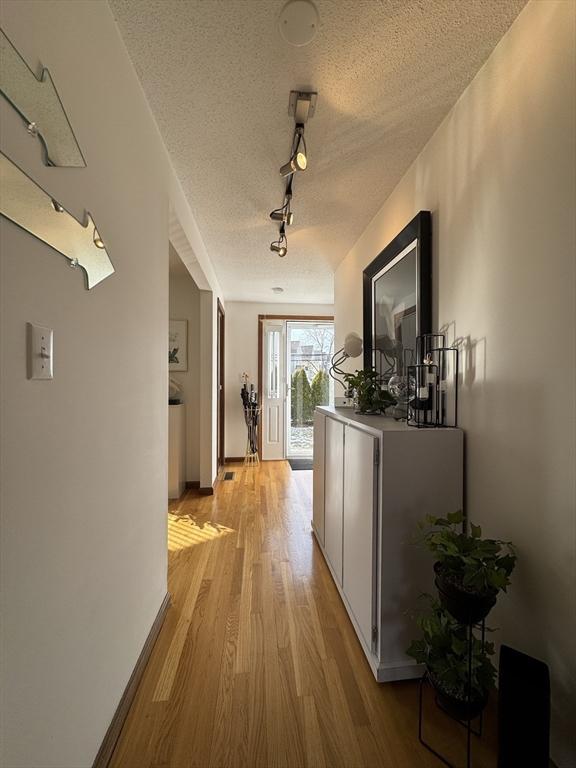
(295,362)
(273,389)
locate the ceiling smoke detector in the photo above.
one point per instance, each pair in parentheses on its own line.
(298,22)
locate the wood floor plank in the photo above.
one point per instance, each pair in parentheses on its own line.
(315,757)
(164,685)
(257,664)
(224,716)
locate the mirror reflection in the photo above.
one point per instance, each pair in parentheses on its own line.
(37,102)
(30,207)
(395,313)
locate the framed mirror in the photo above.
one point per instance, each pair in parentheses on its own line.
(398,299)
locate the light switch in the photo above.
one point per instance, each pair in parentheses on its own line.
(40,351)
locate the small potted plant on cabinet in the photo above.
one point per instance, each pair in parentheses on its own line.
(444,650)
(369,397)
(470,570)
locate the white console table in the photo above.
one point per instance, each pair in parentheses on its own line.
(374,479)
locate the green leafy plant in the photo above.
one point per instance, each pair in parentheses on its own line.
(471,563)
(320,389)
(370,397)
(443,649)
(302,410)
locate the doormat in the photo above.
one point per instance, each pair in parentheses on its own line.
(301,463)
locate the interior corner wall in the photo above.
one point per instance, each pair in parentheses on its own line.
(499,178)
(241,346)
(208,399)
(185,305)
(84,456)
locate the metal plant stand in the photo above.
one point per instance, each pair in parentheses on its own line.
(466,723)
(252,418)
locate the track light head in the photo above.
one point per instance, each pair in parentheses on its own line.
(298,162)
(279,248)
(287,217)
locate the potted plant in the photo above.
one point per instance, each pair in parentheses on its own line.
(470,570)
(369,396)
(444,650)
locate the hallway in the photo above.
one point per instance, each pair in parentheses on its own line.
(257,664)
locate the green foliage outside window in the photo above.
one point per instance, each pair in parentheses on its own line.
(302,409)
(320,389)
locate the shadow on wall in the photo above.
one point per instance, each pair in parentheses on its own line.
(472,356)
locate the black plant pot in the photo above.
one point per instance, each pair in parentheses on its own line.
(459,709)
(465,607)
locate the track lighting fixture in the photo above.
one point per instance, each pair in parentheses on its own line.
(281,250)
(280,246)
(298,162)
(301,106)
(286,216)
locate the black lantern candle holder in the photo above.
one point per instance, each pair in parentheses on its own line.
(432,384)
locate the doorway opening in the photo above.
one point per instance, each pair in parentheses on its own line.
(294,360)
(184,410)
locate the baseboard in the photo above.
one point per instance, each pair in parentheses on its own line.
(208,491)
(113,733)
(234,459)
(192,483)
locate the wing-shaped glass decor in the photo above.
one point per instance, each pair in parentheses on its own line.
(36,100)
(30,207)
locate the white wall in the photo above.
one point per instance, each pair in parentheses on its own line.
(242,355)
(83,457)
(499,178)
(185,305)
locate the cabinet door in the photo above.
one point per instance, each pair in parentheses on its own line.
(360,499)
(318,476)
(334,495)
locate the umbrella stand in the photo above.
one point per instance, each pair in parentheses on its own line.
(252,418)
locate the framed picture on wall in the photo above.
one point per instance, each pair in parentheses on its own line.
(178,345)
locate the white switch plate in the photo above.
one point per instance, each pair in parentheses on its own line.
(40,351)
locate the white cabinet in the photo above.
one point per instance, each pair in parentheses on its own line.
(333,495)
(318,476)
(374,479)
(359,527)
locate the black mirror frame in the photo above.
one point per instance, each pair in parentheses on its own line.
(419,229)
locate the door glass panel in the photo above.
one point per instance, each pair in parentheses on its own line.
(310,347)
(273,368)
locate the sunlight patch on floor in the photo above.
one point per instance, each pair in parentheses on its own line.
(184,532)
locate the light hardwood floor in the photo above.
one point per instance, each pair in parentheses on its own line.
(257,665)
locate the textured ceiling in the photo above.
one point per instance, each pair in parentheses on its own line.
(217,76)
